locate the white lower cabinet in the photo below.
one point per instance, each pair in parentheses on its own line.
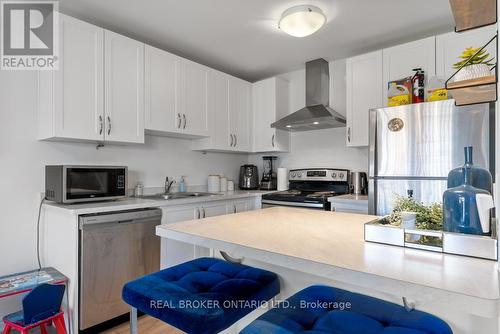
(174,252)
(242,205)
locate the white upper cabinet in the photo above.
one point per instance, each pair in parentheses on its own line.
(124,89)
(239,103)
(193,98)
(176,95)
(228,104)
(162,71)
(71,99)
(269,104)
(451,45)
(364,91)
(400,60)
(218,114)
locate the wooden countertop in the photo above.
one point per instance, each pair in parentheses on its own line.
(336,239)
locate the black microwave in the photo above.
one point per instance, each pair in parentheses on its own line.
(76,184)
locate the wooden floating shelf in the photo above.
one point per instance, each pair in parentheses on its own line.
(480,90)
(470,14)
(490,79)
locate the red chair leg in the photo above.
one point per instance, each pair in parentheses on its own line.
(60,325)
(43,328)
(6,329)
(24,331)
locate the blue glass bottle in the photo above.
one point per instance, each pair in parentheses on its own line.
(481,177)
(461,214)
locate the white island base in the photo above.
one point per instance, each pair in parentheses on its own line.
(306,247)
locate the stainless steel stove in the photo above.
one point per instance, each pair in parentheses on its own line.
(310,188)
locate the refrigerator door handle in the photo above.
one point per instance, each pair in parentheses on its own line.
(372,184)
(372,136)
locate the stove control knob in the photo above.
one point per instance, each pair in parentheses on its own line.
(294,174)
(334,175)
(341,176)
(299,174)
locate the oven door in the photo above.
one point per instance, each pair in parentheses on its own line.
(93,183)
(266,203)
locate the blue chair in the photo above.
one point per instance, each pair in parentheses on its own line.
(205,295)
(322,309)
(41,306)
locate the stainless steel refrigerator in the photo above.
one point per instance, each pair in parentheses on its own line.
(413,147)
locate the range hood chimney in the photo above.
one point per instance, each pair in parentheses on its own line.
(317,114)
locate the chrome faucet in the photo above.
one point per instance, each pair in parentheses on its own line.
(168,185)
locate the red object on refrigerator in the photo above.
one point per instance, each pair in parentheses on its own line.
(418,80)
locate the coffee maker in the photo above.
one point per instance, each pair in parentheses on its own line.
(269,179)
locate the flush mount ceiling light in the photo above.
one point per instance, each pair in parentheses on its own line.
(301,21)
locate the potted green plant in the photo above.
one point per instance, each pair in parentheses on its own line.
(478,64)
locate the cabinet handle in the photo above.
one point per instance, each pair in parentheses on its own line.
(272,140)
(185,120)
(349,134)
(198,213)
(101,126)
(109,125)
(204,213)
(235,141)
(234,208)
(232,140)
(179,121)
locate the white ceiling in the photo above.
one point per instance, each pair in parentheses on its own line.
(241,37)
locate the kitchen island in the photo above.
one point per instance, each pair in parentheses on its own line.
(308,246)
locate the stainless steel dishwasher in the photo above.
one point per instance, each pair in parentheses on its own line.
(115,247)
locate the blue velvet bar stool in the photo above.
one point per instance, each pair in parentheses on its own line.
(206,295)
(322,309)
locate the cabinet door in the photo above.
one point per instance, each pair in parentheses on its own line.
(124,89)
(400,60)
(194,99)
(213,209)
(205,211)
(364,91)
(239,113)
(161,91)
(218,118)
(174,252)
(450,46)
(77,110)
(281,140)
(238,206)
(264,114)
(269,103)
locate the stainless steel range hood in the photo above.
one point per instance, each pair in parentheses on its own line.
(317,114)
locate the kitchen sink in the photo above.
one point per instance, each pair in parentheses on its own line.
(179,195)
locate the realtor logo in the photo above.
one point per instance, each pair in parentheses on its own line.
(29,35)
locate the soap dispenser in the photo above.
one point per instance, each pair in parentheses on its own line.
(182,185)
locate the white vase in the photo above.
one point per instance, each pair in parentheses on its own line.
(472,72)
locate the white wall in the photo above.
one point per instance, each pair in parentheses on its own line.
(22,161)
(320,148)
